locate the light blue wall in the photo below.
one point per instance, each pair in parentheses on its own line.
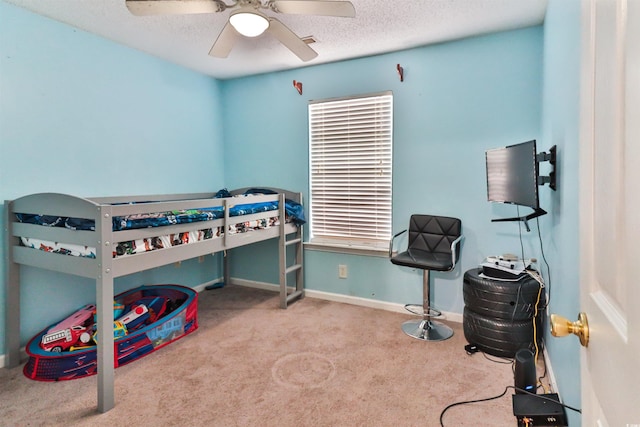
(457,100)
(64,91)
(82,115)
(561,89)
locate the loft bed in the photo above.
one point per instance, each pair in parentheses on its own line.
(108,237)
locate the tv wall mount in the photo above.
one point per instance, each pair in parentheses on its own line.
(551,158)
(542,180)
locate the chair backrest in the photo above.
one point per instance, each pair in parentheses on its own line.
(433,233)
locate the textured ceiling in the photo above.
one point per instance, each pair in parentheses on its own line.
(379,26)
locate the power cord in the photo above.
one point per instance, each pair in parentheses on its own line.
(470,401)
(520,233)
(502,361)
(538,278)
(472,349)
(501,395)
(544,258)
(539,396)
(544,375)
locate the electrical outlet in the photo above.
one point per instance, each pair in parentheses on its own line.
(342,271)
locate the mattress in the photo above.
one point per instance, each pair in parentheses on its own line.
(294,213)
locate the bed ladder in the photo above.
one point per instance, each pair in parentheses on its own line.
(294,267)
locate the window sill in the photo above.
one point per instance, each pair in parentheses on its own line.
(348,249)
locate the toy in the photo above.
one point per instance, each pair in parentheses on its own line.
(118,309)
(78,318)
(170,312)
(60,340)
(138,314)
(119,330)
(69,332)
(74,332)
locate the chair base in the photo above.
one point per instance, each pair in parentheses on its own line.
(427,330)
(419,310)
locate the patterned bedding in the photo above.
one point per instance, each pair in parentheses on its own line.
(294,213)
(144,245)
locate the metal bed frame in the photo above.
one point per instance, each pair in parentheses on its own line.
(104,268)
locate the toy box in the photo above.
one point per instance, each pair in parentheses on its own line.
(153,316)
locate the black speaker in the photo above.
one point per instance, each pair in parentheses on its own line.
(525,371)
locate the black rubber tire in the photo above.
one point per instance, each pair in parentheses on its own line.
(502,299)
(499,337)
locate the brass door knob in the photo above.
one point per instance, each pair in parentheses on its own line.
(561,326)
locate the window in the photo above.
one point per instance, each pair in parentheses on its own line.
(350,166)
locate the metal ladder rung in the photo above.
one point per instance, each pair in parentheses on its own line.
(293,268)
(293,241)
(294,295)
(297,267)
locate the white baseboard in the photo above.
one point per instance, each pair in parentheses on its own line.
(328,296)
(347,299)
(23,357)
(551,376)
(23,353)
(201,287)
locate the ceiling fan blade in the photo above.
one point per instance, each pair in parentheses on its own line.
(316,7)
(224,42)
(173,7)
(291,40)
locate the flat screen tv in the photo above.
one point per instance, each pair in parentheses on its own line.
(512,177)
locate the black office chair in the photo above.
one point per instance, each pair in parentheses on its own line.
(434,244)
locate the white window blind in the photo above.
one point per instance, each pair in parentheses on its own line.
(350,166)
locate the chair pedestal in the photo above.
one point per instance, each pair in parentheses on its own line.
(426,329)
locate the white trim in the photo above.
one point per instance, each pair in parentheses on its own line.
(344,249)
(257,285)
(347,98)
(612,312)
(23,357)
(350,170)
(23,351)
(201,287)
(347,299)
(551,376)
(329,296)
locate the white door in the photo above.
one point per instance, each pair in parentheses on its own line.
(610,212)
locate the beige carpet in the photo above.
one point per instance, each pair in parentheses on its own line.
(250,363)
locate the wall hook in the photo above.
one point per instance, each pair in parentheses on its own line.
(298,86)
(400,72)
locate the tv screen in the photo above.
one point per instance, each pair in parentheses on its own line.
(512,174)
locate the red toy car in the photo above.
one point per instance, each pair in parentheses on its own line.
(61,340)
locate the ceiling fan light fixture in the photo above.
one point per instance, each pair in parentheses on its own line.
(249,23)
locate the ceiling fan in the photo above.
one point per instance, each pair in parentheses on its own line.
(247,19)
